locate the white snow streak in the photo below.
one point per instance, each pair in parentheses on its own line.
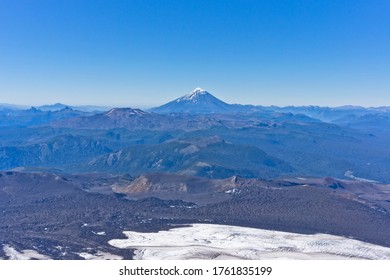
(209,241)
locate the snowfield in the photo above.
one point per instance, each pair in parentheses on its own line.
(210,241)
(100,256)
(14,254)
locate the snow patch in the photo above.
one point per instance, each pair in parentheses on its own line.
(191,149)
(101,233)
(349,174)
(210,241)
(202,164)
(198,90)
(232,191)
(193,96)
(100,256)
(14,254)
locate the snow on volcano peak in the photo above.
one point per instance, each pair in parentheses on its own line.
(198,101)
(194,95)
(199,91)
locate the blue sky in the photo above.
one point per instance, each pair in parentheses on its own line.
(143,53)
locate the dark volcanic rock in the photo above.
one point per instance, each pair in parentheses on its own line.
(61,215)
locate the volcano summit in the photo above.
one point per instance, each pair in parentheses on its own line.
(198,101)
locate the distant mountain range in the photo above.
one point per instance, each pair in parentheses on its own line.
(136,119)
(35,116)
(54,107)
(129,118)
(60,106)
(200,101)
(254,141)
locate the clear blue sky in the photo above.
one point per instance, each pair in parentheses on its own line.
(144,53)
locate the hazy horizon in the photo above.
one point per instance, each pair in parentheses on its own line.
(145,107)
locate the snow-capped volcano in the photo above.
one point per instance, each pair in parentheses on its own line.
(194,96)
(198,101)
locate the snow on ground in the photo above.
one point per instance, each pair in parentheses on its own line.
(14,254)
(100,256)
(209,241)
(350,175)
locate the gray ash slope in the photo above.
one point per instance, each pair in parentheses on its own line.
(59,215)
